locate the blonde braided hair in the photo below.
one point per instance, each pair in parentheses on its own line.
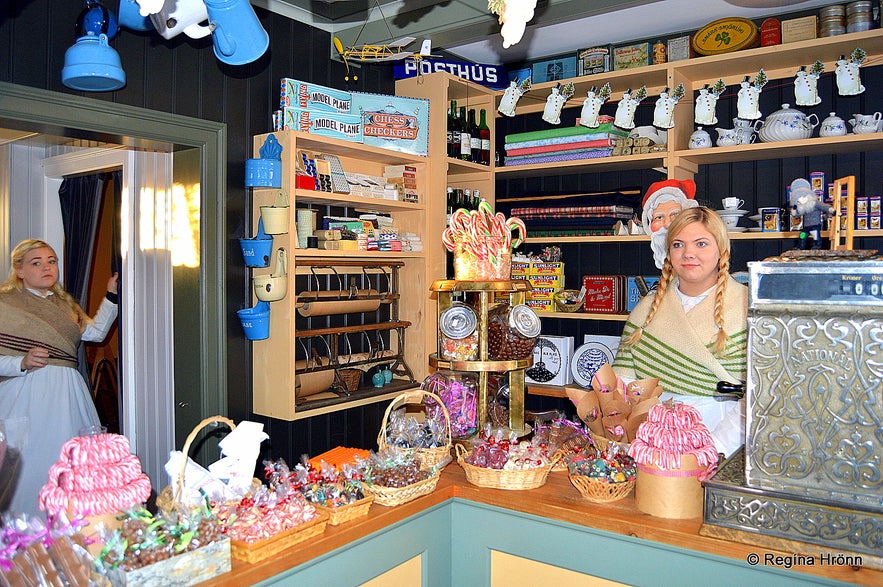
(14,282)
(711,221)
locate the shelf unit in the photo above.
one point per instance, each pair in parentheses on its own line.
(274,372)
(483,297)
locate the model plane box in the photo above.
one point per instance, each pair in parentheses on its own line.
(347,127)
(299,94)
(393,122)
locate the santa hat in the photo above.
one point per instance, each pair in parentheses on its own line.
(674,187)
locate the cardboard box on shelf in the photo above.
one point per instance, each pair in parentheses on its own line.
(299,94)
(393,122)
(593,60)
(551,361)
(800,29)
(679,48)
(347,127)
(629,56)
(638,287)
(541,305)
(538,268)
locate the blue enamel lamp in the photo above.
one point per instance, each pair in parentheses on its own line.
(91,64)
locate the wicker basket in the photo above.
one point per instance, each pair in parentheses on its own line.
(602,442)
(351,378)
(429,457)
(345,513)
(505,479)
(560,297)
(252,552)
(169,500)
(390,496)
(600,491)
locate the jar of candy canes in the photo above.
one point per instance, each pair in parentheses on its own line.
(458,333)
(458,391)
(512,332)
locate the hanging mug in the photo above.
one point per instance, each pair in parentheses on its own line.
(273,287)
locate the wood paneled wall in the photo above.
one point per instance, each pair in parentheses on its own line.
(182,76)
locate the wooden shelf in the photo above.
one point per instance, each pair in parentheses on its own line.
(585,316)
(357,202)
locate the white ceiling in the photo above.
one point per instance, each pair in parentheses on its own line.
(468,30)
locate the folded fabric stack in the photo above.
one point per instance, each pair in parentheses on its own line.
(573,214)
(569,143)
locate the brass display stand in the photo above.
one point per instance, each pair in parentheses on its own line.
(483,297)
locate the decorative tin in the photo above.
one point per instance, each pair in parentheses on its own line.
(814,397)
(593,60)
(551,361)
(725,36)
(630,56)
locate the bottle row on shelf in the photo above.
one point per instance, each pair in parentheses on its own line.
(468,140)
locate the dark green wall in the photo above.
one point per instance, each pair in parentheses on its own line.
(182,76)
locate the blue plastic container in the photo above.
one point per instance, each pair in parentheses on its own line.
(256,321)
(256,251)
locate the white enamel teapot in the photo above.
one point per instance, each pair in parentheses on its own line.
(787,124)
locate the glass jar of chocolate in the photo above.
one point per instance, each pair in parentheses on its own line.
(458,333)
(512,332)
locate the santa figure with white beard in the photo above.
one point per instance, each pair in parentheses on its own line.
(805,204)
(663,201)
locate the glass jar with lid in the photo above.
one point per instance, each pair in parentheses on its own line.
(458,391)
(458,333)
(512,331)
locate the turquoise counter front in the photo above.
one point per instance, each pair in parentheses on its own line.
(462,535)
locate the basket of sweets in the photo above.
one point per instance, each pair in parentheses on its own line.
(562,435)
(270,521)
(602,476)
(393,478)
(429,440)
(175,497)
(506,463)
(332,490)
(569,300)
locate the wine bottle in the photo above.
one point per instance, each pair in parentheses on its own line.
(484,133)
(467,199)
(453,132)
(474,139)
(465,139)
(449,206)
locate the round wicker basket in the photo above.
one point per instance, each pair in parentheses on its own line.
(599,490)
(505,479)
(560,298)
(429,457)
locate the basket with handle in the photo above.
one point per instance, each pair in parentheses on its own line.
(392,496)
(169,499)
(502,478)
(428,457)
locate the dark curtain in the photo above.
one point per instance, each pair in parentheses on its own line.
(80,199)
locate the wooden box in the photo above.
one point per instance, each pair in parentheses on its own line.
(182,570)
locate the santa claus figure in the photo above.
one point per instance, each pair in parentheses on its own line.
(663,201)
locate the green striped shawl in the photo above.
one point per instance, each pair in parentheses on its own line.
(677,347)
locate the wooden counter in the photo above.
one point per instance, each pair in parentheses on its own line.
(557,501)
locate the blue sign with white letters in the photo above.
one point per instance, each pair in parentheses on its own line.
(492,76)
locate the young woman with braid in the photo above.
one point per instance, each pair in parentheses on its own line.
(42,394)
(693,331)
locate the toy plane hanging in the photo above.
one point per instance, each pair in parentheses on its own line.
(376,53)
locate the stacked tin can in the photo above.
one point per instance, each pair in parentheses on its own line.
(832,20)
(859,16)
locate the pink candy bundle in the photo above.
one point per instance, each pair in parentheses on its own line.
(674,451)
(94,475)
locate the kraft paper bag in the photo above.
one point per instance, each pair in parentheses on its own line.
(671,493)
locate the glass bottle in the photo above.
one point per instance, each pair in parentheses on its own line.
(465,139)
(449,206)
(484,133)
(453,131)
(474,139)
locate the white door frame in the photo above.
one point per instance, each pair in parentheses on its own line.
(147,354)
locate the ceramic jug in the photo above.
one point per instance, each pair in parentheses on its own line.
(700,139)
(833,126)
(865,123)
(728,137)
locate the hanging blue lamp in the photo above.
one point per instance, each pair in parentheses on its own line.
(237,34)
(91,64)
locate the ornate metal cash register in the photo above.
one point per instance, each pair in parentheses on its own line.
(809,479)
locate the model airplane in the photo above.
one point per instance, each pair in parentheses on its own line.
(377,53)
(373,53)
